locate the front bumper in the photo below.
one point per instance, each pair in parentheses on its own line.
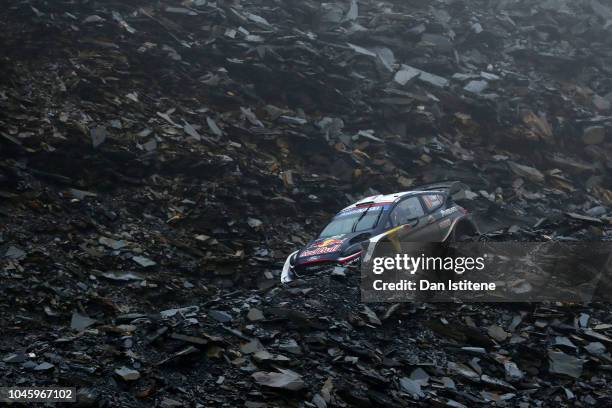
(289,272)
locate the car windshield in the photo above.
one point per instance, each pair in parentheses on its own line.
(353,220)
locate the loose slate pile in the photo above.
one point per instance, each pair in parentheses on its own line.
(159,159)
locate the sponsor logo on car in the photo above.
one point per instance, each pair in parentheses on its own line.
(324,246)
(449,211)
(327,242)
(319,251)
(360,209)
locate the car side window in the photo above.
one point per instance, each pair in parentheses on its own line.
(405,210)
(432,201)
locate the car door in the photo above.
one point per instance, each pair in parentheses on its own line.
(399,232)
(407,209)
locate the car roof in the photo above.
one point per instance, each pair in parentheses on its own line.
(388,198)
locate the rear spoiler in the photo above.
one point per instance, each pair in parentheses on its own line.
(455,189)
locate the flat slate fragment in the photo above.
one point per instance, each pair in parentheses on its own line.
(127,374)
(284,379)
(564,364)
(80,322)
(144,261)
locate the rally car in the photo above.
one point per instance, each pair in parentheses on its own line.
(427,213)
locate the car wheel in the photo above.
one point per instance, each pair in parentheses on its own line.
(463,231)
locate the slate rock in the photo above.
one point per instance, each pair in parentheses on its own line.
(220,316)
(411,387)
(144,261)
(513,373)
(476,86)
(283,379)
(564,364)
(497,333)
(80,322)
(44,366)
(593,135)
(127,374)
(255,315)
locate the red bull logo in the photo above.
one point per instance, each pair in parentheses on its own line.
(327,242)
(323,247)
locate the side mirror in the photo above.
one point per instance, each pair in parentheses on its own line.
(360,237)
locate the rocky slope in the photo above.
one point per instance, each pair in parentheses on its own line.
(163,155)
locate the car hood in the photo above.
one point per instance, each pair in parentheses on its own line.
(331,249)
